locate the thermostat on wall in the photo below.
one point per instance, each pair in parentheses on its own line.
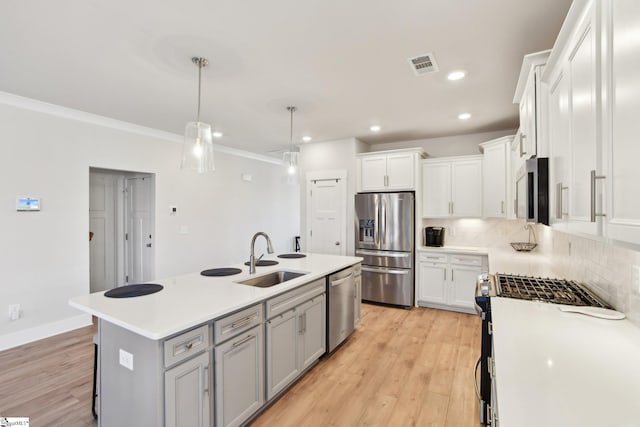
(28,204)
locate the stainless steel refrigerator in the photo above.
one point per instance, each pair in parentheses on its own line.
(384,224)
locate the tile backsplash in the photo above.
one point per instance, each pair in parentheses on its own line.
(603,267)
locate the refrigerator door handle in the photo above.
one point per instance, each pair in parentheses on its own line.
(384,221)
(376,230)
(383,253)
(385,270)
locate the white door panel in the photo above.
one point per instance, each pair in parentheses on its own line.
(102,248)
(139,231)
(327,216)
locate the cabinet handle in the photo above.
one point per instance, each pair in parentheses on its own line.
(300,327)
(501,206)
(452,208)
(206,380)
(243,322)
(594,177)
(522,137)
(304,323)
(445,273)
(452,274)
(559,190)
(248,338)
(189,346)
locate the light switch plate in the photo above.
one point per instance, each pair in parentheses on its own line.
(126,359)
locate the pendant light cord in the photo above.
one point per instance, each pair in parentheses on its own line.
(292,109)
(199,86)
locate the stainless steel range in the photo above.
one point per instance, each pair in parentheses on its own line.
(557,291)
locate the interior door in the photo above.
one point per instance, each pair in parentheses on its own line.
(102,244)
(139,229)
(327,204)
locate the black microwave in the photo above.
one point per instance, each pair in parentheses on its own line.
(532,191)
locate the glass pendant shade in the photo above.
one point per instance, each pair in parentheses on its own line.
(291,162)
(197,154)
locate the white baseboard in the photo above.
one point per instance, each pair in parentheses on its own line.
(16,339)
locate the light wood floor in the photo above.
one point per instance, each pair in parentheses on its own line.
(400,368)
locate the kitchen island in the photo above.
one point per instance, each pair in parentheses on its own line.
(157,351)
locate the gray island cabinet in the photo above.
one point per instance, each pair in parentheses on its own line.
(221,359)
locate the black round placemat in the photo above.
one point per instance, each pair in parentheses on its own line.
(292,256)
(264,263)
(217,272)
(129,291)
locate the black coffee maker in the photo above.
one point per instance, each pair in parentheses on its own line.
(434,236)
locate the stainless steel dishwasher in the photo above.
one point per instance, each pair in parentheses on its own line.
(340,310)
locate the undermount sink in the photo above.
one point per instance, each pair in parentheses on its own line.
(271,279)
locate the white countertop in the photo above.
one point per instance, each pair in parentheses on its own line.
(503,259)
(192,299)
(564,369)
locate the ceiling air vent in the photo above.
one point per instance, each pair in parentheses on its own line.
(423,64)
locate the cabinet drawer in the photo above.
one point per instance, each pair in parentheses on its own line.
(230,326)
(433,257)
(185,345)
(466,260)
(287,301)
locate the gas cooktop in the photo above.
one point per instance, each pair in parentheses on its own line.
(558,291)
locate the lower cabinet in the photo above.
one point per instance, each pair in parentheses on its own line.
(295,339)
(187,393)
(448,280)
(239,377)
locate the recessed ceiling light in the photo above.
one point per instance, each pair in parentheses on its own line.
(456,75)
(217,134)
(306,138)
(464,116)
(375,128)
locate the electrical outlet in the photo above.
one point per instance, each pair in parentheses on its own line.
(635,277)
(14,311)
(126,359)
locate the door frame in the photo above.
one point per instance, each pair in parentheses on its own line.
(328,175)
(120,213)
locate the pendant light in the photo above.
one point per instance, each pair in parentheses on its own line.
(197,154)
(291,157)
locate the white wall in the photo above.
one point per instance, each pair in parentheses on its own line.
(44,256)
(459,145)
(330,155)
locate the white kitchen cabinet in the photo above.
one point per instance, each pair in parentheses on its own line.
(532,107)
(496,162)
(452,187)
(239,377)
(432,283)
(622,125)
(296,338)
(575,127)
(448,280)
(393,170)
(187,393)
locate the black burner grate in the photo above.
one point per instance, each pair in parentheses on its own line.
(558,291)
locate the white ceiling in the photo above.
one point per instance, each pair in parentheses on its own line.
(343,63)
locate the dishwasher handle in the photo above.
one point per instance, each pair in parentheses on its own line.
(341,281)
(384,270)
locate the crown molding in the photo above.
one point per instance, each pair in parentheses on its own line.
(95,119)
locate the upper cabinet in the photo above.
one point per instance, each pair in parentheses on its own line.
(393,170)
(496,188)
(594,99)
(531,100)
(452,187)
(621,21)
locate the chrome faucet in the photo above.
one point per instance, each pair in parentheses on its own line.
(252,258)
